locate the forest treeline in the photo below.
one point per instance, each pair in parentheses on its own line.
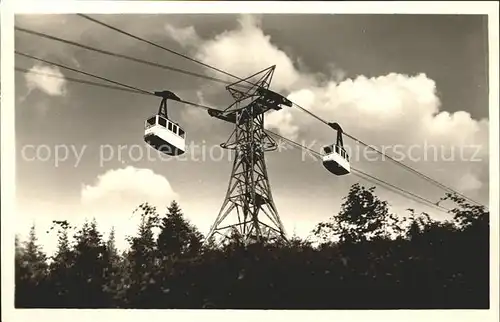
(364,257)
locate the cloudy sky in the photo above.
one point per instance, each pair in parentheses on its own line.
(407,84)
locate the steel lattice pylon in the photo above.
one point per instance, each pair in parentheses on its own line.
(249,204)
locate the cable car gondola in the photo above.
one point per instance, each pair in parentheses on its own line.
(336,159)
(163,134)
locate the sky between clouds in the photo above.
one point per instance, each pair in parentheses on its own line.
(396,82)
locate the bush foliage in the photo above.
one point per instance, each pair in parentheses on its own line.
(362,258)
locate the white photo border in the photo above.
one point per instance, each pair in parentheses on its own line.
(10,7)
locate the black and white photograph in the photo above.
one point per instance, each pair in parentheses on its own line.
(252,161)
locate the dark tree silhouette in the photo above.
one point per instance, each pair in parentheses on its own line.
(363,216)
(178,238)
(117,273)
(31,271)
(61,268)
(89,272)
(142,259)
(378,262)
(111,246)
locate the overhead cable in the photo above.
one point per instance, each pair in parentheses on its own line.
(370,178)
(131,88)
(109,53)
(164,48)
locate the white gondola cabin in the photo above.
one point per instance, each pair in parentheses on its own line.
(163,134)
(335,158)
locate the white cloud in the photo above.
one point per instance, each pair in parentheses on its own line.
(282,120)
(252,49)
(469,182)
(386,110)
(185,36)
(54,86)
(111,200)
(113,197)
(128,187)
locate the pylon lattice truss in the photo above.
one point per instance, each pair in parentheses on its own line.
(248,209)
